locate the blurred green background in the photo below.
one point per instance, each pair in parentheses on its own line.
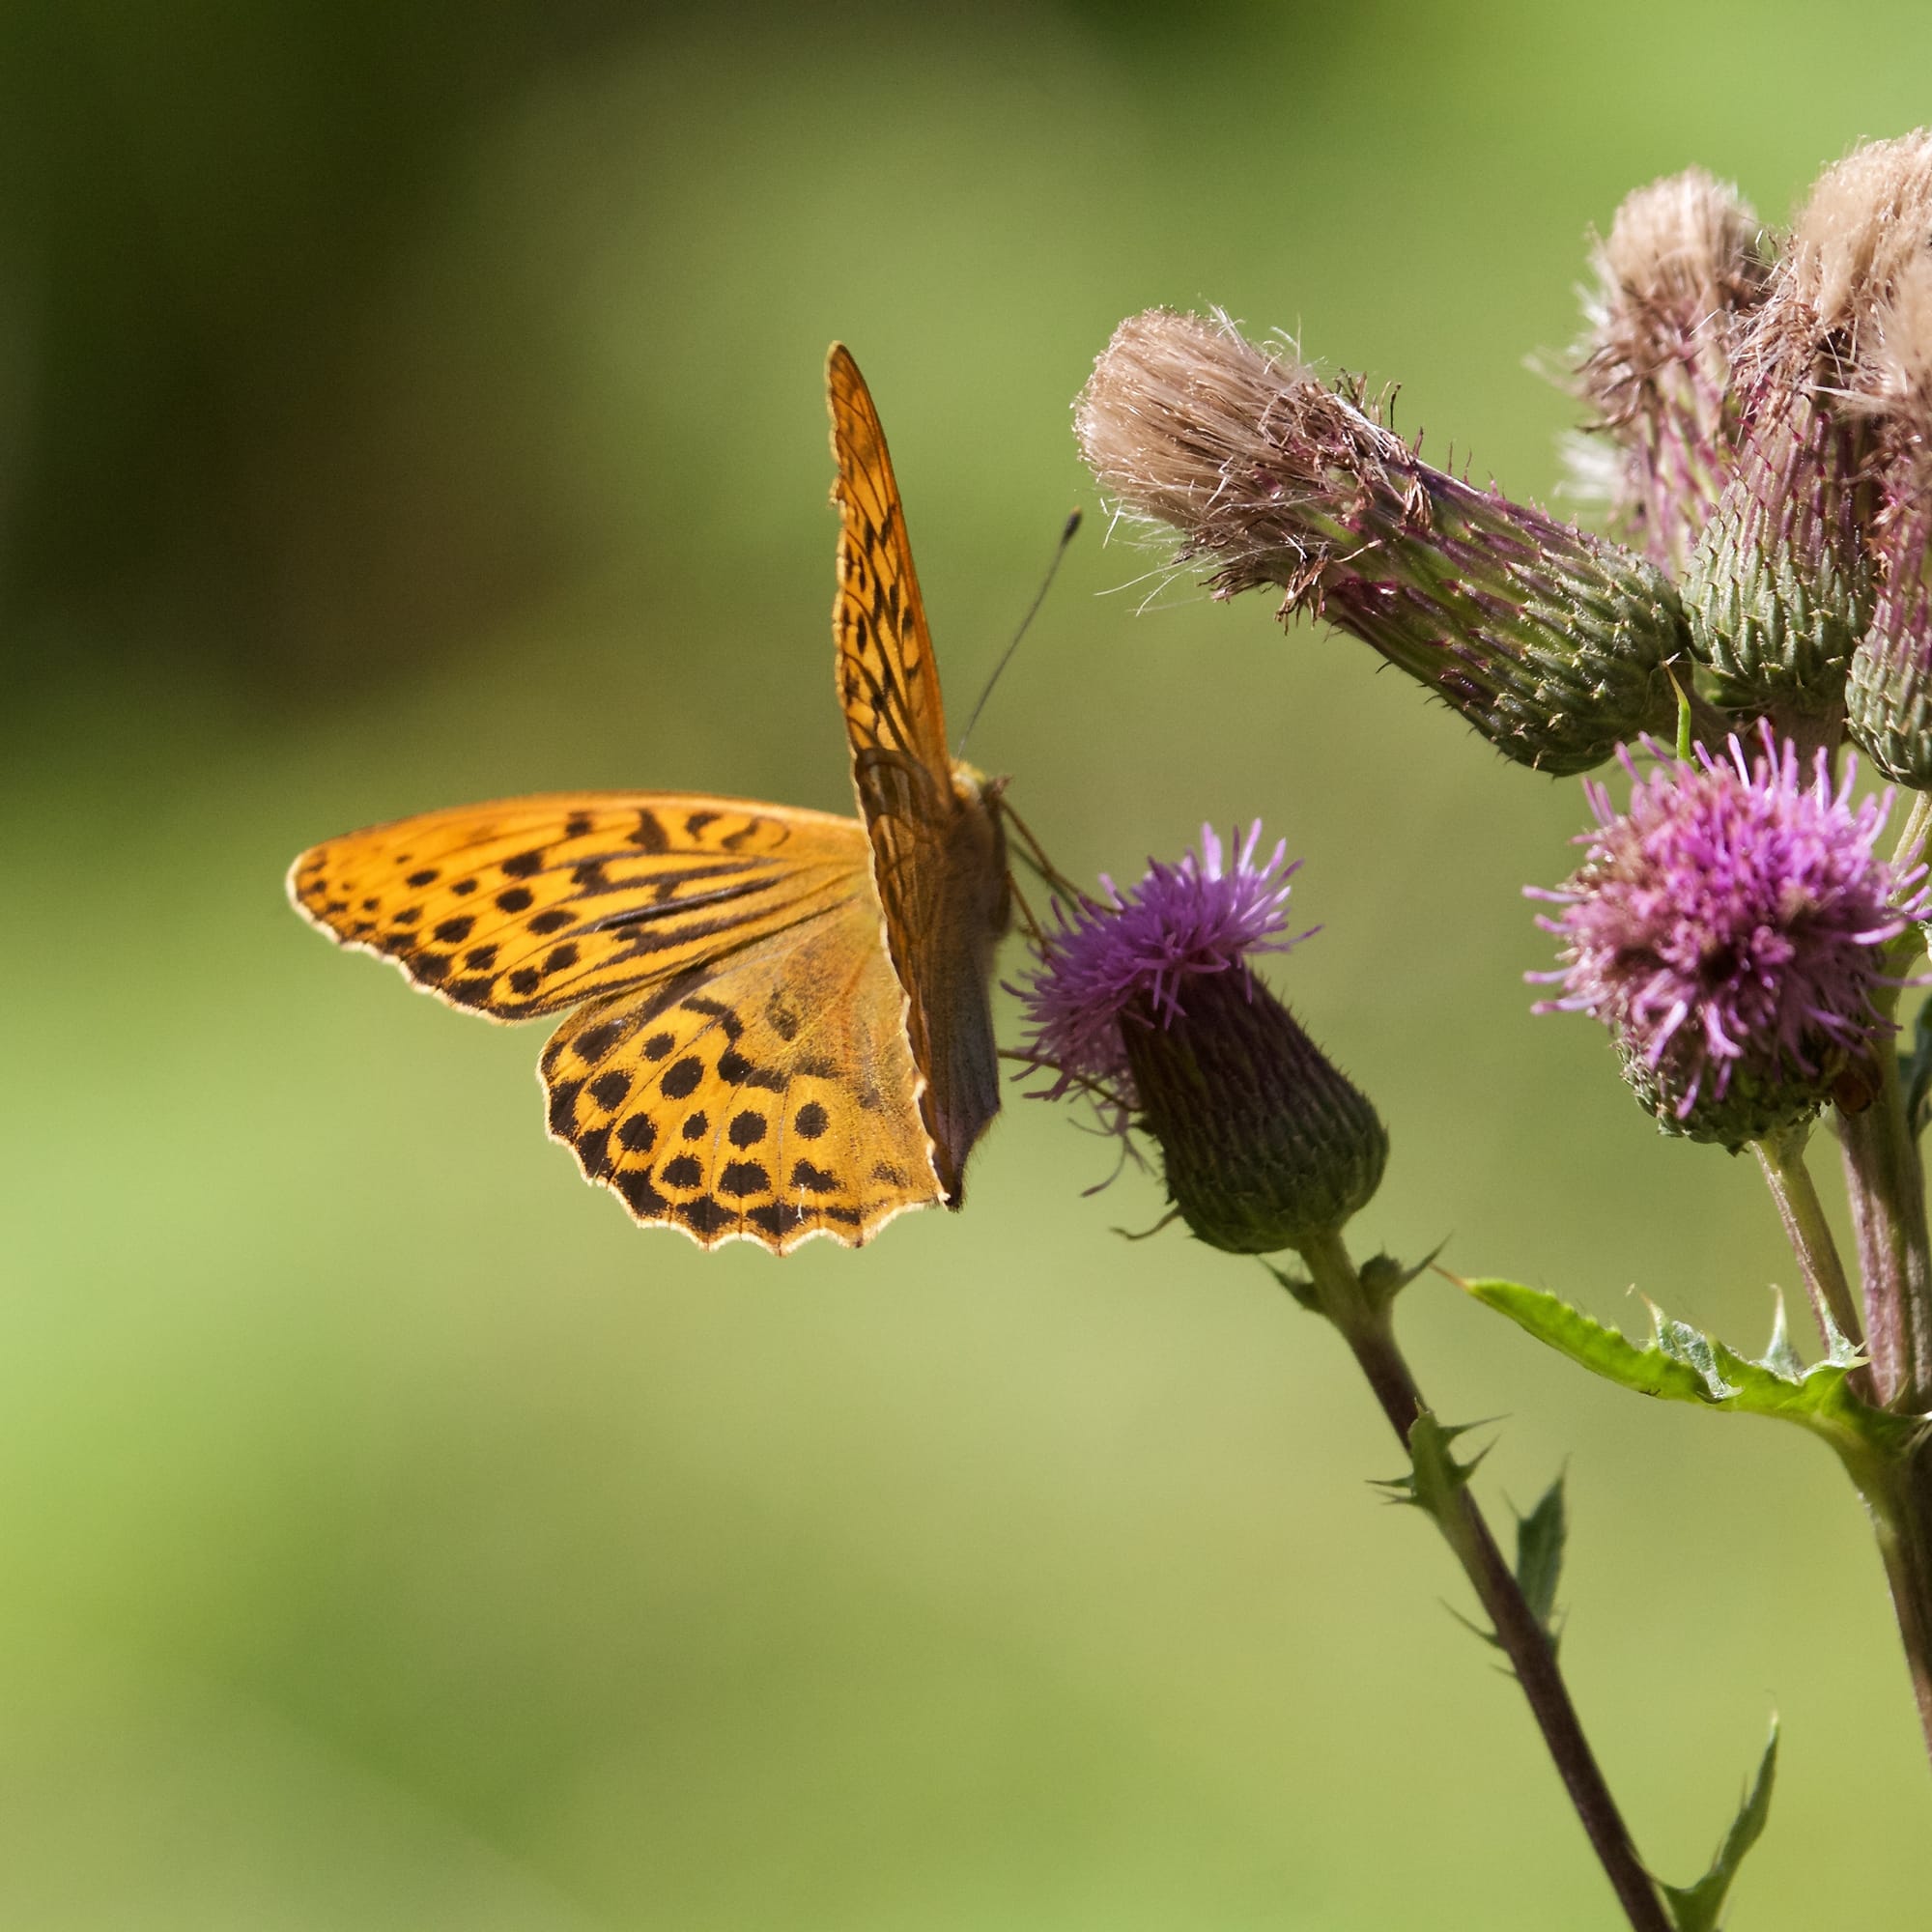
(402,403)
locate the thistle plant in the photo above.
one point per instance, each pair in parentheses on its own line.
(1748,646)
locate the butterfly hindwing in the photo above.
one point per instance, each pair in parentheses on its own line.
(769,1096)
(531,905)
(780,1022)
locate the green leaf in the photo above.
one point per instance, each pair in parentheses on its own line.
(1539,1536)
(1696,1908)
(1683,1364)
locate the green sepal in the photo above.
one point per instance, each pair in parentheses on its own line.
(1298,1285)
(1540,1538)
(1683,1364)
(1696,1908)
(1384,1277)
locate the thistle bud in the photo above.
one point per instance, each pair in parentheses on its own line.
(1776,612)
(1264,1145)
(1145,1002)
(1552,643)
(1677,275)
(1730,929)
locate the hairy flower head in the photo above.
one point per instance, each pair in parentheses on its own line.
(1729,928)
(1550,642)
(1676,278)
(1145,1001)
(1130,956)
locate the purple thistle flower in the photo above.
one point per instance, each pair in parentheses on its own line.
(1143,1001)
(1730,929)
(1133,955)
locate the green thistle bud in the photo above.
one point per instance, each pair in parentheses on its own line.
(1776,620)
(1264,1143)
(1550,642)
(1752,1107)
(1889,698)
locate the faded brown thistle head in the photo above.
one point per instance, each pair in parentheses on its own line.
(1676,277)
(1780,590)
(1889,698)
(1550,642)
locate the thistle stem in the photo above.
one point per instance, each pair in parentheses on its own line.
(1366,1326)
(1885,1177)
(1782,1156)
(1902,1516)
(1885,1180)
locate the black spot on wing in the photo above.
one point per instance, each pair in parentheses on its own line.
(706,1216)
(593,1151)
(563,1105)
(608,1090)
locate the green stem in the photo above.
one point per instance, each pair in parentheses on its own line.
(1885,1176)
(1885,1181)
(1782,1156)
(1366,1326)
(1902,1516)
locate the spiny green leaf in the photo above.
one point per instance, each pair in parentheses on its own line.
(1539,1536)
(1696,1908)
(1302,1289)
(1781,1359)
(1436,1476)
(1682,1364)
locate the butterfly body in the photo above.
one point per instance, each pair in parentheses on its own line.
(778,1021)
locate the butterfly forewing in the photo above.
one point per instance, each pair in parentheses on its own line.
(887,679)
(780,1023)
(768,1096)
(531,905)
(938,855)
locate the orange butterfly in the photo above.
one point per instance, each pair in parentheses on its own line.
(778,1021)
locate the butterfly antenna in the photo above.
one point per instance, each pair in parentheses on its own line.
(1034,855)
(1032,611)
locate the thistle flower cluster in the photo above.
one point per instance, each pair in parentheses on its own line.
(1761,424)
(1760,429)
(1730,928)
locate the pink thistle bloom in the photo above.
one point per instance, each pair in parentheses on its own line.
(1145,1002)
(1730,929)
(1126,959)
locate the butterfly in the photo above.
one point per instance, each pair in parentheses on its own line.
(778,1021)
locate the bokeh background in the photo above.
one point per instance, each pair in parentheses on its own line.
(406,403)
